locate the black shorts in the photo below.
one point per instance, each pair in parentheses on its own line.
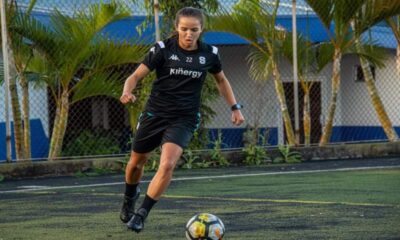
(153,131)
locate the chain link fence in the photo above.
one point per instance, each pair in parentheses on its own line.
(67,74)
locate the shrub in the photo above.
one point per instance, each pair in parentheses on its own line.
(88,143)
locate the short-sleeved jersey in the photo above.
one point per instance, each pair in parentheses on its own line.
(180,76)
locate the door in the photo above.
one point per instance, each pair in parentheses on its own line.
(315,109)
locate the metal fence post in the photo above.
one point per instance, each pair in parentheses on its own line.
(4,37)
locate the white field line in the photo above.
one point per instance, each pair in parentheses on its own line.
(42,188)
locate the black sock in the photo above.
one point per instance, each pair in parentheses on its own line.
(130,189)
(148,203)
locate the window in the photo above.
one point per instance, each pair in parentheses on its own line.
(359,75)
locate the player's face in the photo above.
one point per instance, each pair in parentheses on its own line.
(189,29)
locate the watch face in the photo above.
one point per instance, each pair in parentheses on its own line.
(236,107)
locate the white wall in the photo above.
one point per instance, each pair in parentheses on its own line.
(258,98)
(356,104)
(353,104)
(38,106)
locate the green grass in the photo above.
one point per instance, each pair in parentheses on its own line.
(329,205)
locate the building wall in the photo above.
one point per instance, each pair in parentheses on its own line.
(258,98)
(355,118)
(37,104)
(357,107)
(39,123)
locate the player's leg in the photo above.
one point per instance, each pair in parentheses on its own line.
(175,138)
(133,174)
(148,137)
(170,155)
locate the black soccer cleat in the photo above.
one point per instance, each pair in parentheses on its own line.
(137,221)
(128,207)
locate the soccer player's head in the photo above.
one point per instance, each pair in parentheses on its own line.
(189,24)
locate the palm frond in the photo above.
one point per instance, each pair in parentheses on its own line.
(40,37)
(31,6)
(100,15)
(395,27)
(337,12)
(373,12)
(260,65)
(103,83)
(306,52)
(324,54)
(323,9)
(105,55)
(344,12)
(236,23)
(374,54)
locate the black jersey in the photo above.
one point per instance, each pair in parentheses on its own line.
(180,76)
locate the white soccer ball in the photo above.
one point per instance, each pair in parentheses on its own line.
(205,226)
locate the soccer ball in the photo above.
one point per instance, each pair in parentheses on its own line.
(205,226)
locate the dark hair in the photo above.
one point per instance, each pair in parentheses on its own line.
(190,12)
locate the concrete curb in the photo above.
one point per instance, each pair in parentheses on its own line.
(22,170)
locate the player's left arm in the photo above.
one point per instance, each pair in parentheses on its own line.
(225,89)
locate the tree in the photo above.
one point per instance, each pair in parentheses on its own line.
(19,56)
(77,61)
(373,12)
(340,14)
(256,23)
(312,59)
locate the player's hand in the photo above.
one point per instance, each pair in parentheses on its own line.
(237,117)
(127,98)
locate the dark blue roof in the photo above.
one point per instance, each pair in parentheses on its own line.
(382,36)
(308,25)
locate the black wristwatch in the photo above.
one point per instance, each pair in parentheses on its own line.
(236,106)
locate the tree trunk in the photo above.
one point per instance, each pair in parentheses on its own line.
(15,106)
(327,131)
(60,126)
(17,119)
(55,130)
(25,112)
(307,118)
(306,86)
(376,100)
(280,92)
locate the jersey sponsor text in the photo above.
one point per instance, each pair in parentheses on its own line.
(184,72)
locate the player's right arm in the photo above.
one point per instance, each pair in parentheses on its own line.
(131,82)
(153,59)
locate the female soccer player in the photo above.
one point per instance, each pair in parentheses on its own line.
(171,114)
